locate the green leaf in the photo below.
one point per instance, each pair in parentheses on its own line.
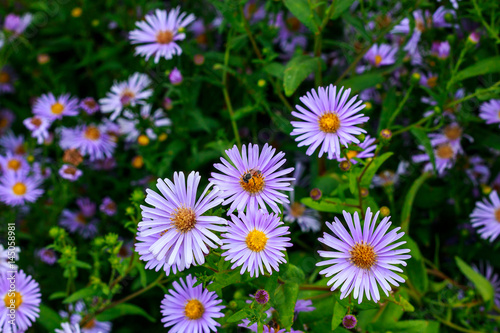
(302,11)
(407,326)
(224,279)
(124,309)
(372,169)
(49,318)
(242,314)
(78,295)
(423,139)
(357,24)
(57,294)
(275,69)
(339,312)
(485,66)
(291,273)
(408,203)
(480,282)
(362,82)
(340,6)
(297,70)
(285,303)
(332,205)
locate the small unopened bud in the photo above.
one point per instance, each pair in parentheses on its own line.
(448,17)
(364,192)
(474,37)
(385,211)
(486,189)
(349,322)
(167,104)
(316,194)
(143,140)
(386,133)
(175,77)
(437,110)
(162,137)
(76,12)
(368,106)
(199,59)
(261,296)
(261,83)
(138,162)
(415,77)
(43,58)
(345,165)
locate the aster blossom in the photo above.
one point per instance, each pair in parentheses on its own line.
(486,217)
(81,221)
(251,178)
(19,188)
(39,127)
(381,55)
(178,232)
(329,120)
(364,258)
(490,111)
(191,309)
(52,107)
(488,272)
(159,34)
(92,140)
(255,241)
(368,145)
(444,157)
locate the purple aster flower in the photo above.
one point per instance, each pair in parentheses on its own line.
(444,155)
(451,134)
(349,322)
(89,105)
(70,172)
(47,255)
(53,107)
(12,143)
(18,188)
(92,140)
(81,221)
(389,177)
(6,119)
(41,171)
(488,272)
(39,127)
(490,111)
(441,49)
(175,228)
(382,55)
(304,305)
(477,170)
(160,33)
(5,255)
(291,33)
(175,77)
(252,179)
(429,80)
(364,258)
(104,164)
(368,146)
(17,24)
(190,308)
(108,206)
(255,241)
(13,163)
(329,122)
(126,94)
(261,296)
(24,302)
(78,311)
(7,79)
(254,12)
(68,328)
(486,217)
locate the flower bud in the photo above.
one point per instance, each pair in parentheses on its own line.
(316,194)
(349,322)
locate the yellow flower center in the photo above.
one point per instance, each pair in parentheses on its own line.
(444,152)
(165,37)
(352,153)
(92,133)
(254,184)
(194,309)
(16,299)
(256,240)
(329,123)
(452,132)
(184,219)
(19,188)
(497,215)
(14,164)
(378,60)
(432,81)
(57,108)
(4,77)
(297,209)
(363,255)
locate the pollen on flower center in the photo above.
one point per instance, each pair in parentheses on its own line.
(165,37)
(497,215)
(329,123)
(16,299)
(352,153)
(363,255)
(19,188)
(256,240)
(36,121)
(297,209)
(57,108)
(126,97)
(254,184)
(378,60)
(452,132)
(194,309)
(4,77)
(14,164)
(444,152)
(184,219)
(92,133)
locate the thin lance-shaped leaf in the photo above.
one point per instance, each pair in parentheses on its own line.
(372,169)
(297,70)
(362,82)
(480,282)
(332,205)
(339,312)
(423,139)
(123,309)
(410,196)
(49,318)
(485,66)
(302,11)
(340,6)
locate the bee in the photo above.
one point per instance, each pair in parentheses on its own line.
(250,174)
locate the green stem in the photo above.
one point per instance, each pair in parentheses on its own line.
(400,106)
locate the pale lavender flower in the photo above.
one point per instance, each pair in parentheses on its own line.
(486,217)
(91,140)
(70,172)
(490,111)
(451,134)
(39,127)
(488,272)
(477,170)
(429,79)
(389,177)
(126,94)
(108,206)
(304,305)
(444,155)
(7,79)
(129,124)
(89,105)
(17,24)
(19,188)
(81,221)
(13,163)
(6,119)
(255,241)
(251,178)
(291,33)
(160,33)
(46,255)
(382,55)
(364,258)
(78,311)
(12,143)
(441,49)
(68,328)
(190,308)
(175,76)
(329,121)
(53,107)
